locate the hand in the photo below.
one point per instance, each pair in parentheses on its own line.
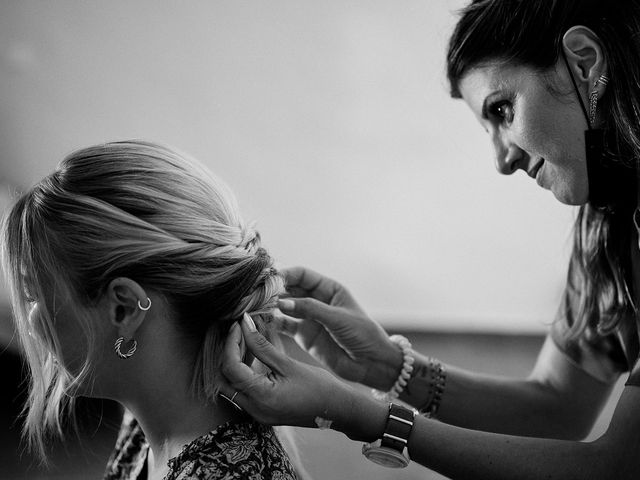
(332,327)
(294,393)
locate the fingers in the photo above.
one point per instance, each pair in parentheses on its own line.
(306,282)
(234,347)
(286,324)
(261,348)
(310,335)
(233,369)
(312,309)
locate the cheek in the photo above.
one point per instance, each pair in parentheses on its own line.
(557,140)
(73,342)
(553,128)
(540,136)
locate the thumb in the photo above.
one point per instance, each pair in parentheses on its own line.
(261,348)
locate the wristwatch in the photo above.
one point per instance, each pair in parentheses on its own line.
(391,450)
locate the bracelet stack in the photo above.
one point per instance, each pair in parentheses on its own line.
(437,381)
(405,373)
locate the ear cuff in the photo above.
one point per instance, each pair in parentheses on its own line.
(603,79)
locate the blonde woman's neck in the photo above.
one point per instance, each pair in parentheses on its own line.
(156,387)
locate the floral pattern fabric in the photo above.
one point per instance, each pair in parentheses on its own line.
(232,451)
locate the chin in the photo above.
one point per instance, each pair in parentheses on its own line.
(571,197)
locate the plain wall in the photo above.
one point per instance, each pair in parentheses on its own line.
(331,121)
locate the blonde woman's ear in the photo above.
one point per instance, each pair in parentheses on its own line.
(128,305)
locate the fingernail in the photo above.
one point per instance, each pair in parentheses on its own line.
(286,304)
(248,322)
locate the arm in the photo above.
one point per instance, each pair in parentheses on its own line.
(295,393)
(463,453)
(557,400)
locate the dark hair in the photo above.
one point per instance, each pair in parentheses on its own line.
(529,33)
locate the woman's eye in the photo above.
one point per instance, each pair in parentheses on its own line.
(502,110)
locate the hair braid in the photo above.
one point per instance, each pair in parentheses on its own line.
(137,210)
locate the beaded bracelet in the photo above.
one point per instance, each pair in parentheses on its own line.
(438,379)
(405,373)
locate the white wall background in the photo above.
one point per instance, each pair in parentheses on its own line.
(332,122)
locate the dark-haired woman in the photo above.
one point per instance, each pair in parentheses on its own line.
(556,85)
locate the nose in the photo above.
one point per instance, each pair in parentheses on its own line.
(509,157)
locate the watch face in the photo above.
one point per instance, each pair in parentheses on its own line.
(387,457)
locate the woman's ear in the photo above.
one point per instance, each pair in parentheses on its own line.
(127,304)
(585,55)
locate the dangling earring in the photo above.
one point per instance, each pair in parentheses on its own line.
(604,176)
(593,98)
(593,105)
(144,309)
(129,353)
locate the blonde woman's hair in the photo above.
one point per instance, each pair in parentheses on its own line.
(138,210)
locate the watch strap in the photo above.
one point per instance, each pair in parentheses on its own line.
(398,428)
(391,450)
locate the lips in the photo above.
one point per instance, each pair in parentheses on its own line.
(533,172)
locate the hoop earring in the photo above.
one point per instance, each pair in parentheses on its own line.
(144,309)
(129,353)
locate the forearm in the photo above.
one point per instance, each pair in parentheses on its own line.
(509,406)
(462,453)
(466,454)
(525,407)
(471,401)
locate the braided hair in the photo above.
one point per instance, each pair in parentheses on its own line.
(142,211)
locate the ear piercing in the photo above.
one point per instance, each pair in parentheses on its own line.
(144,309)
(603,79)
(134,345)
(593,98)
(129,352)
